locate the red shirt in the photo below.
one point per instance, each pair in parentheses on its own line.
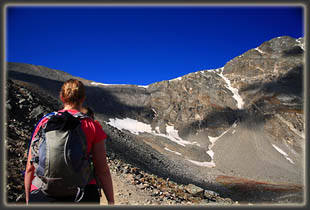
(92,129)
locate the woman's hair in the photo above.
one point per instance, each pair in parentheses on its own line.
(72,92)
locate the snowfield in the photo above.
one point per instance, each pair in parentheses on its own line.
(136,127)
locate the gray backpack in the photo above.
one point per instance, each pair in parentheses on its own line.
(59,155)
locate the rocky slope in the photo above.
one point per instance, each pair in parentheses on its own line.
(25,108)
(237,130)
(132,185)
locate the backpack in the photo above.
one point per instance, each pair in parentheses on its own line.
(59,155)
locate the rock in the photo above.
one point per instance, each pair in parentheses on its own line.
(140,186)
(193,189)
(210,193)
(37,111)
(21,100)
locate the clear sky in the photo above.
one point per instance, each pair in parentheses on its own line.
(142,45)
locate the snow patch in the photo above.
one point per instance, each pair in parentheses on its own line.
(137,127)
(154,112)
(143,86)
(157,129)
(131,125)
(302,45)
(259,50)
(173,135)
(210,152)
(103,84)
(283,153)
(176,79)
(214,139)
(219,70)
(203,164)
(177,153)
(235,91)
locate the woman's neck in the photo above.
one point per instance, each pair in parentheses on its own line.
(69,106)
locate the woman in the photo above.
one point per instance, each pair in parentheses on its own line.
(72,95)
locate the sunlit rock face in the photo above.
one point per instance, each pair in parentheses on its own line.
(245,119)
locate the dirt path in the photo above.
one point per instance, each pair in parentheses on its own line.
(126,193)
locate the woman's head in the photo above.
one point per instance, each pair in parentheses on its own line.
(72,92)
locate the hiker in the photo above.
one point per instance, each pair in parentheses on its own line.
(72,95)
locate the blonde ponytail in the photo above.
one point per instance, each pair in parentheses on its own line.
(72,92)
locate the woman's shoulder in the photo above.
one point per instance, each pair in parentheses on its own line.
(93,127)
(94,123)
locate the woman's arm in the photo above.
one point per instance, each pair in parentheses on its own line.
(103,171)
(29,175)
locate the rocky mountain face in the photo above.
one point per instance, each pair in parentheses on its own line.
(237,130)
(269,79)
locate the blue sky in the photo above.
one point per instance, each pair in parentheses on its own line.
(142,45)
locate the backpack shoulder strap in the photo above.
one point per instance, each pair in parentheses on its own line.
(49,115)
